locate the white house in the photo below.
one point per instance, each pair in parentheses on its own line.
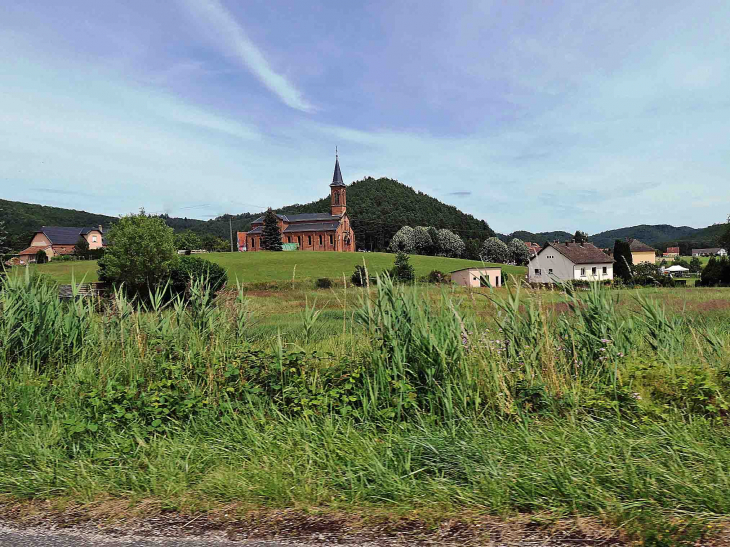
(713,251)
(570,262)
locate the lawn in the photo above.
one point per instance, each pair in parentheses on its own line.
(268,266)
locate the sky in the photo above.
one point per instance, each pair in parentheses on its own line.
(535,116)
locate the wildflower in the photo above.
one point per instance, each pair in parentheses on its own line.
(602,349)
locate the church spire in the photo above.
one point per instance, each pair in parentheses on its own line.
(337,177)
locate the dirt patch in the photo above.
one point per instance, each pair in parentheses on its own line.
(235,522)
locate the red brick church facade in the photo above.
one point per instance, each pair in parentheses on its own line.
(312,231)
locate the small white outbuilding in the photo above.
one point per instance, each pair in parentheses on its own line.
(477,277)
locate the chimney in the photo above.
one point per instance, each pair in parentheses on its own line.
(101,228)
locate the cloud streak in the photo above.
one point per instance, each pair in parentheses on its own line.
(231,36)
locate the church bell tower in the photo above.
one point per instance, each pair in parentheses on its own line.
(338,191)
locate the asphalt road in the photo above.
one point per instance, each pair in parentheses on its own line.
(38,537)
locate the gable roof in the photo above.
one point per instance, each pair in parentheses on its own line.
(301,217)
(639,247)
(710,250)
(64,235)
(578,253)
(312,227)
(673,250)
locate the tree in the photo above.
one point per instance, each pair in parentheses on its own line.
(624,261)
(472,249)
(215,244)
(188,240)
(4,239)
(433,233)
(140,255)
(422,242)
(41,257)
(494,250)
(580,237)
(724,239)
(402,269)
(518,252)
(450,244)
(695,266)
(403,241)
(271,238)
(82,247)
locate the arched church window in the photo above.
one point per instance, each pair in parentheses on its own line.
(337,198)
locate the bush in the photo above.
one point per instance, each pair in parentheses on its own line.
(359,277)
(436,276)
(192,267)
(323,283)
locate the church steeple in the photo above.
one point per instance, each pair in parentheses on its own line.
(338,190)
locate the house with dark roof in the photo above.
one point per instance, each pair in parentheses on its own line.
(311,231)
(641,252)
(61,240)
(570,262)
(712,251)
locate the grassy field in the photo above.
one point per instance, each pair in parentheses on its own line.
(602,404)
(261,267)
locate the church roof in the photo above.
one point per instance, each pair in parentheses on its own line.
(312,227)
(337,177)
(301,217)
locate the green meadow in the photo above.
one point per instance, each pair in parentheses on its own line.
(262,267)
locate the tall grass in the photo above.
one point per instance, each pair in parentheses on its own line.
(587,405)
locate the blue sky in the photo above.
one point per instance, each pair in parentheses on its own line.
(530,115)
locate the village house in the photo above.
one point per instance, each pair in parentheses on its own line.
(477,277)
(570,262)
(641,252)
(712,251)
(534,248)
(311,231)
(60,240)
(672,252)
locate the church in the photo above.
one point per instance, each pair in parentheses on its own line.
(311,231)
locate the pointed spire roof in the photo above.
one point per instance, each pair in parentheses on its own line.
(337,177)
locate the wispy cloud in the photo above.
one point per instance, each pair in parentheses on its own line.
(459,194)
(232,37)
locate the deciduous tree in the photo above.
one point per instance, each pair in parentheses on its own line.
(518,252)
(494,250)
(624,260)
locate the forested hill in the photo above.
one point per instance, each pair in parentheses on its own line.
(22,219)
(378,208)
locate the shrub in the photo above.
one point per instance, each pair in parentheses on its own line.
(436,276)
(359,277)
(323,283)
(191,267)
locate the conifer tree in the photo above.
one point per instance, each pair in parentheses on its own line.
(82,247)
(624,260)
(271,238)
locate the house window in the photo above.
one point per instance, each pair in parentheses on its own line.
(93,239)
(332,239)
(582,272)
(320,239)
(309,240)
(605,270)
(593,271)
(538,271)
(550,271)
(299,240)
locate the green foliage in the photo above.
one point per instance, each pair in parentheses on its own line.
(271,238)
(437,277)
(723,238)
(215,244)
(716,272)
(580,237)
(41,257)
(402,269)
(141,253)
(81,249)
(189,268)
(623,260)
(494,250)
(518,252)
(323,283)
(695,266)
(189,240)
